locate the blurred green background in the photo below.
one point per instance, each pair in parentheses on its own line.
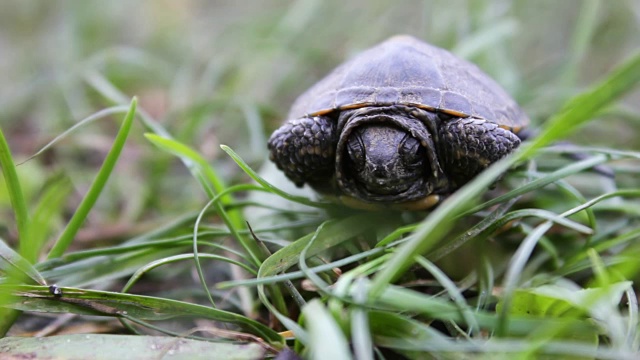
(226,72)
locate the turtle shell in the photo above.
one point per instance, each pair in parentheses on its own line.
(404,70)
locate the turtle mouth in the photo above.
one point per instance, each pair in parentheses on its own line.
(386,187)
(391,191)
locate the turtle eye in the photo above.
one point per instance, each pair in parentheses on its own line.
(411,152)
(355,149)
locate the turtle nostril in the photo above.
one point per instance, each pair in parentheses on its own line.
(379,172)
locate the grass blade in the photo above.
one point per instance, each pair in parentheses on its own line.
(589,104)
(208,178)
(19,206)
(66,238)
(175,258)
(326,340)
(15,191)
(583,33)
(195,162)
(100,114)
(257,178)
(18,262)
(360,328)
(540,182)
(93,302)
(45,215)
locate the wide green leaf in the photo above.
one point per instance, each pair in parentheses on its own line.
(117,347)
(326,339)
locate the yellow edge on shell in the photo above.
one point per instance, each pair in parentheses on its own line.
(409,104)
(513,129)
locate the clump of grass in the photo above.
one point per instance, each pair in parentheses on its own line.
(545,265)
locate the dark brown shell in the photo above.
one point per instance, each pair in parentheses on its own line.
(405,70)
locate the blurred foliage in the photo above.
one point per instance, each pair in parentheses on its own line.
(213,72)
(226,72)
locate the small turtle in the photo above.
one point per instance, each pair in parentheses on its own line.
(400,125)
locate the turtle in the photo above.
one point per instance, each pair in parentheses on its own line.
(401,125)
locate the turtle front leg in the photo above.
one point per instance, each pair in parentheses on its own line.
(304,149)
(469,146)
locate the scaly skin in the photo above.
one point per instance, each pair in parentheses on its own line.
(304,149)
(468,146)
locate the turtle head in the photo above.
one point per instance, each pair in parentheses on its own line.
(386,158)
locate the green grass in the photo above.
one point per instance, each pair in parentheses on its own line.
(150,201)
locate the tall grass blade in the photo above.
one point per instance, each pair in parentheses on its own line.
(15,191)
(66,238)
